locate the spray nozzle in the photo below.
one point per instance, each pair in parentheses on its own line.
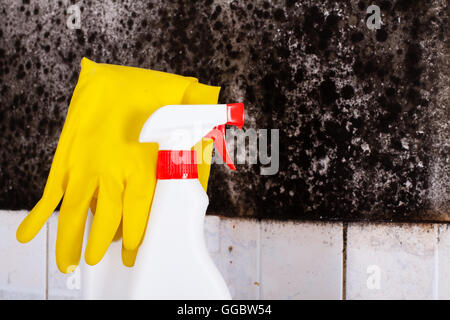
(235,116)
(179,127)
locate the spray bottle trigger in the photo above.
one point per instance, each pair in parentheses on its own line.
(219,138)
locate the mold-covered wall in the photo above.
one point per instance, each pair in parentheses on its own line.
(362,114)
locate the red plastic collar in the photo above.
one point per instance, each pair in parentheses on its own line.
(176,164)
(235,114)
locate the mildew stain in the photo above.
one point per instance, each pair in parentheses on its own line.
(362,114)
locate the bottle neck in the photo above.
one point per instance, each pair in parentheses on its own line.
(176,164)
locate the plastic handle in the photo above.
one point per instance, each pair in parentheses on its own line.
(235,116)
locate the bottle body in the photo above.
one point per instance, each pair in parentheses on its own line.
(172,262)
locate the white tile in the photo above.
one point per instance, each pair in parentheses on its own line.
(22,266)
(60,285)
(212,234)
(301,260)
(443,251)
(390,261)
(238,257)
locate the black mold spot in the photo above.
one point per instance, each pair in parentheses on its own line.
(80,37)
(414,97)
(357,37)
(362,5)
(390,92)
(381,35)
(299,75)
(218,25)
(216,12)
(385,6)
(20,72)
(290,3)
(130,23)
(92,37)
(279,15)
(412,63)
(347,92)
(40,90)
(328,92)
(403,5)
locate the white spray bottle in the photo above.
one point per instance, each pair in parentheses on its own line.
(173,262)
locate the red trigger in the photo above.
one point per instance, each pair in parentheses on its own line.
(235,116)
(218,136)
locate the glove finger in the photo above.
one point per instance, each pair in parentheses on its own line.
(129,256)
(136,207)
(37,217)
(71,223)
(107,219)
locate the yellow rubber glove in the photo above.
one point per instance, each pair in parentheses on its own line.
(99,161)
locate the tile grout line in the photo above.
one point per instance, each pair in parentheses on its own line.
(344,260)
(436,262)
(46,259)
(258,260)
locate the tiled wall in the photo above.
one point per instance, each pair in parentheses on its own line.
(269,260)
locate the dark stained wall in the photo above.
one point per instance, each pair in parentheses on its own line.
(362,114)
